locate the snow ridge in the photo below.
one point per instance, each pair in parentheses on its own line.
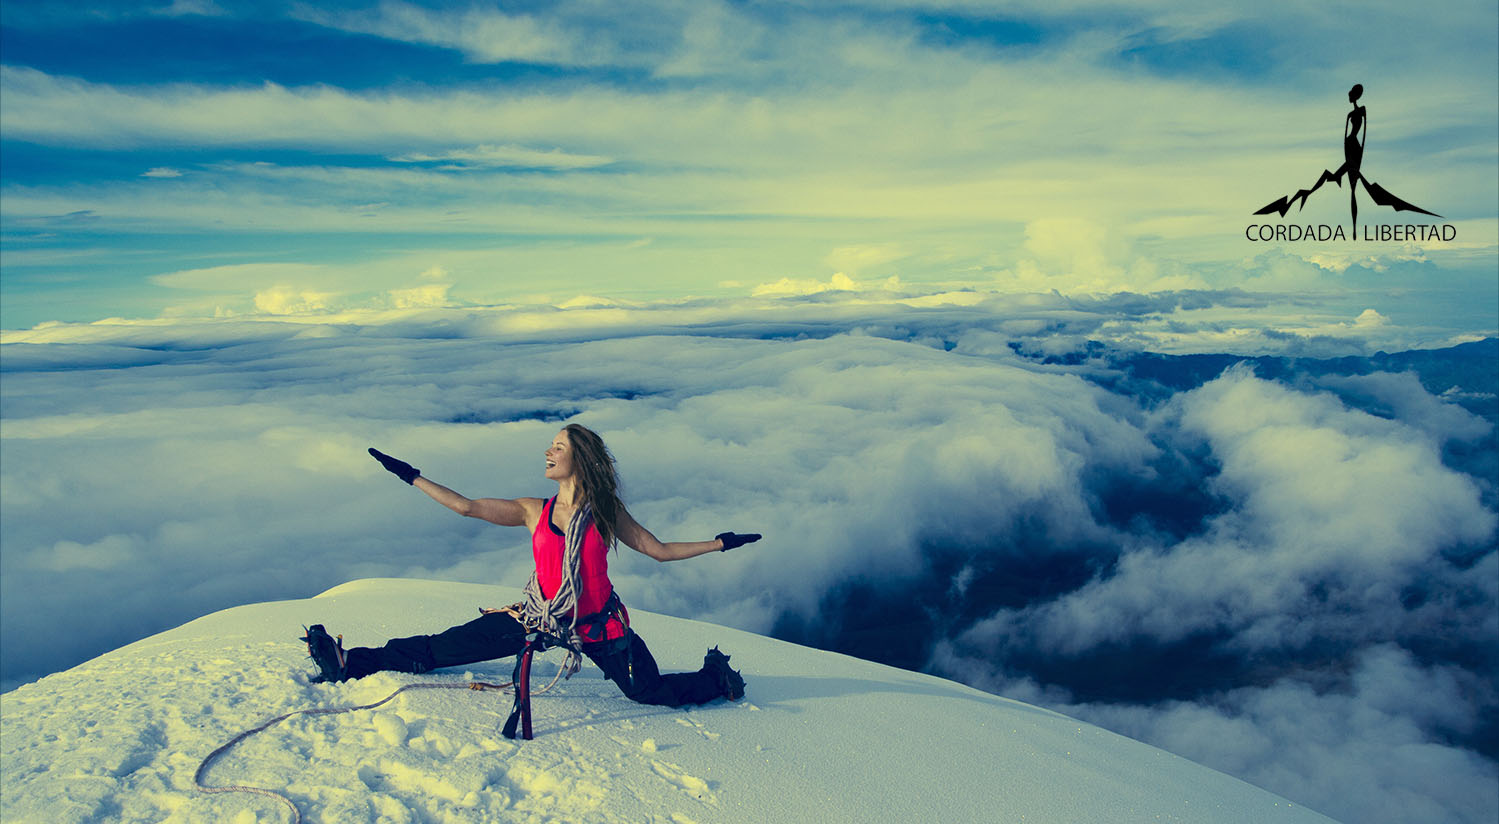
(818,737)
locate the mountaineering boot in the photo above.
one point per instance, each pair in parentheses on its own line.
(730,684)
(327,653)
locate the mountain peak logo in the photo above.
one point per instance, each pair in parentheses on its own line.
(1355,130)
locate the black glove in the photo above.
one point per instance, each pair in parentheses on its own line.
(402,470)
(731,540)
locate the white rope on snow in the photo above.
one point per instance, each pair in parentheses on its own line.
(296,815)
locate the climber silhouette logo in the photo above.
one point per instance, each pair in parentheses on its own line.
(1355,130)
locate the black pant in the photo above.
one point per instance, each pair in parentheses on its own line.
(498,635)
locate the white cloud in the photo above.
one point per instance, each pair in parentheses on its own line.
(109,552)
(507,156)
(1371,753)
(1052,323)
(182,8)
(484,35)
(839,282)
(1333,514)
(1082,256)
(290,300)
(1331,549)
(319,291)
(1402,397)
(426,295)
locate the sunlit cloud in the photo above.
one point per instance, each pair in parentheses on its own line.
(1175,322)
(486,35)
(427,295)
(506,156)
(839,282)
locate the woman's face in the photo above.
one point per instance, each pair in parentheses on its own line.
(560,457)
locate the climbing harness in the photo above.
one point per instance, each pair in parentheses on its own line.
(539,641)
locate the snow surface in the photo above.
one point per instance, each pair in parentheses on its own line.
(819,737)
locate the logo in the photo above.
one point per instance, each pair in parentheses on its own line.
(1355,131)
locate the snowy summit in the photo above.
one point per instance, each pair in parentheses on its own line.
(819,737)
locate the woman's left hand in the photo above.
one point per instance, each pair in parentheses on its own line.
(731,539)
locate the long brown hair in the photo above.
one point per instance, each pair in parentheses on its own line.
(593,463)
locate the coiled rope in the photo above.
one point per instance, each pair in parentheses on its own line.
(296,815)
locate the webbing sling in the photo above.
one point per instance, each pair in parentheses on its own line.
(521,712)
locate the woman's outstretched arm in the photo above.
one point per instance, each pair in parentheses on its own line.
(500,511)
(641,540)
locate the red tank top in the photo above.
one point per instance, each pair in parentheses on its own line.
(548,543)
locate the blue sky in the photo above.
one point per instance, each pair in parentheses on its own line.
(202,159)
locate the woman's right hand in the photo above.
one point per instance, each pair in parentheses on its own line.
(396,466)
(730,540)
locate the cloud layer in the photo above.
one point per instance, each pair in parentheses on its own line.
(1262,569)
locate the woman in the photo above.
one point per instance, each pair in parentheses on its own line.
(569,596)
(1355,130)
